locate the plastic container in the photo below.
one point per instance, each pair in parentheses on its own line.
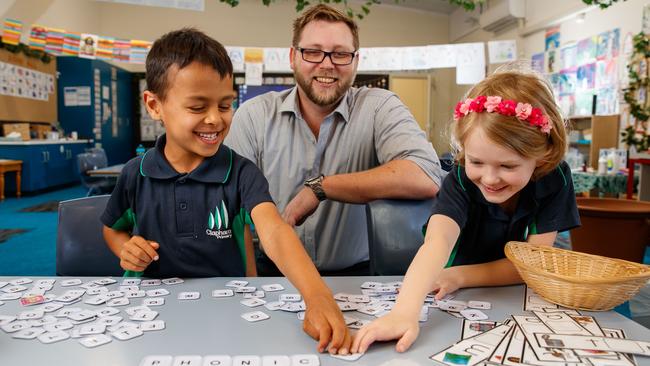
(612,228)
(140,150)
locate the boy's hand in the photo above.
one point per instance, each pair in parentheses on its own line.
(300,207)
(324,322)
(388,327)
(448,282)
(137,253)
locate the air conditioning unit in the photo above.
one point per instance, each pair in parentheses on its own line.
(502,14)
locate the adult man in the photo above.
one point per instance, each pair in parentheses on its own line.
(327,148)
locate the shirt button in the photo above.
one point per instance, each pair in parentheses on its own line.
(183,206)
(182,181)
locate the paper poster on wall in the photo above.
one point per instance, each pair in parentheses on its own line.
(442,56)
(502,51)
(254,55)
(254,73)
(139,50)
(54,41)
(276,60)
(552,38)
(551,61)
(38,37)
(12,31)
(88,45)
(121,50)
(415,58)
(585,76)
(389,58)
(83,96)
(569,57)
(71,42)
(537,62)
(586,51)
(470,63)
(236,55)
(105,48)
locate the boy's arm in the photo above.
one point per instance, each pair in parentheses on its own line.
(402,322)
(251,267)
(496,273)
(323,318)
(135,252)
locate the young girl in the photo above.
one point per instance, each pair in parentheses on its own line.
(509,183)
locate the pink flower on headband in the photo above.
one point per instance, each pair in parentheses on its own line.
(507,108)
(546,127)
(491,103)
(523,110)
(495,104)
(457,113)
(478,104)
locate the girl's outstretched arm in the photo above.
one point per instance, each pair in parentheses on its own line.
(402,322)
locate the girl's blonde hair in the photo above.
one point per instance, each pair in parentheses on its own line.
(508,131)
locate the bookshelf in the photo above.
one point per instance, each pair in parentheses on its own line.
(604,135)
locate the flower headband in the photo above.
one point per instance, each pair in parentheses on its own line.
(494,104)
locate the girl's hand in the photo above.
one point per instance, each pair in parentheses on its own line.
(391,326)
(448,282)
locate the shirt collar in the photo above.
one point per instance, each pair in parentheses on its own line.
(290,105)
(215,169)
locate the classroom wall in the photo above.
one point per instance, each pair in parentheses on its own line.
(542,14)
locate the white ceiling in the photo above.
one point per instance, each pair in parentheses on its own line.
(434,6)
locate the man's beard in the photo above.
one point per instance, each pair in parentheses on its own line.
(322,100)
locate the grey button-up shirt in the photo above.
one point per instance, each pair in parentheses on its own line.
(368,128)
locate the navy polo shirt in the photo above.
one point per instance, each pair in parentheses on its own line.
(197,218)
(545,205)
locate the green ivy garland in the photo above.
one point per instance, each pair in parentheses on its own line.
(27,51)
(468,5)
(603,4)
(637,135)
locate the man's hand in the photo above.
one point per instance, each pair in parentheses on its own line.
(386,328)
(137,253)
(324,322)
(300,207)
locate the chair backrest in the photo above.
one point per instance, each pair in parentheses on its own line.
(395,233)
(80,246)
(94,159)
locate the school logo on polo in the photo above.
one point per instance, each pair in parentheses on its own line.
(218,224)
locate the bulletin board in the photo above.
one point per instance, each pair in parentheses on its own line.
(23,109)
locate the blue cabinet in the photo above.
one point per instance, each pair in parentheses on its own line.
(45,165)
(114,105)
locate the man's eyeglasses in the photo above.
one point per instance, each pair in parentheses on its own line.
(317,56)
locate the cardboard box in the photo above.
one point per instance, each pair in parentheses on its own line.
(22,128)
(40,130)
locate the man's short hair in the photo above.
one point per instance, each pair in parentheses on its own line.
(181,48)
(328,14)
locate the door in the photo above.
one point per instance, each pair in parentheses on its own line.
(414,92)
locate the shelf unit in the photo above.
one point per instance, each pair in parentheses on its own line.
(604,135)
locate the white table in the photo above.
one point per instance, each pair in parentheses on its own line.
(211,326)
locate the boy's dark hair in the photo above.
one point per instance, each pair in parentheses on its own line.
(181,48)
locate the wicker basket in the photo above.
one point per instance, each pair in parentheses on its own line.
(577,280)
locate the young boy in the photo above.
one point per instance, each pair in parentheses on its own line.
(181,208)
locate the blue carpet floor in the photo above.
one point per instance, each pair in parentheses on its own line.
(32,253)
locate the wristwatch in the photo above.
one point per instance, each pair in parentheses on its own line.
(316,185)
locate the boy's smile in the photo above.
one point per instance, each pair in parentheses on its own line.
(196,112)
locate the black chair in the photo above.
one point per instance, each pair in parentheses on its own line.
(80,246)
(395,233)
(94,159)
